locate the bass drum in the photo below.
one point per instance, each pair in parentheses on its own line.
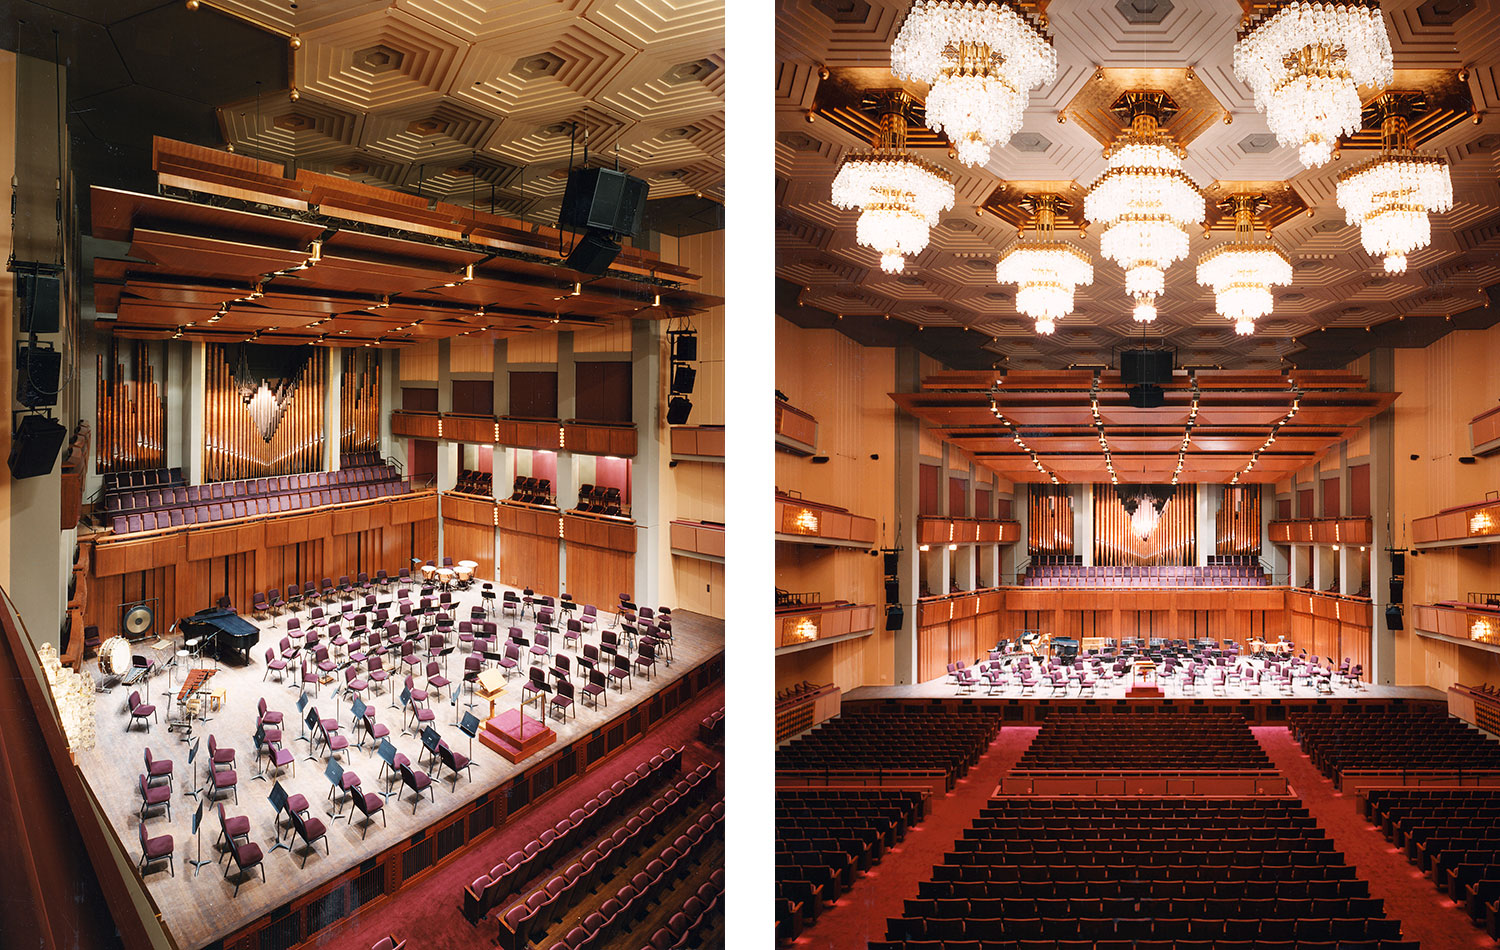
(114,656)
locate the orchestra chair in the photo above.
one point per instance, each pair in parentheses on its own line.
(155,849)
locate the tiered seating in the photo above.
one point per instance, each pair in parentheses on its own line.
(359,459)
(471,482)
(1071,741)
(1451,834)
(117,482)
(711,727)
(640,838)
(1364,738)
(149,509)
(532,491)
(1076,575)
(918,738)
(1147,874)
(827,838)
(600,500)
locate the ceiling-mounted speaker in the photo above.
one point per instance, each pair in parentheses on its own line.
(593,253)
(34,447)
(1398,590)
(1145,366)
(1393,618)
(603,199)
(678,410)
(1147,396)
(39,303)
(685,347)
(683,377)
(892,563)
(37,372)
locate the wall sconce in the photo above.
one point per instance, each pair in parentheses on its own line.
(1482,631)
(804,631)
(1481,523)
(924,547)
(805,521)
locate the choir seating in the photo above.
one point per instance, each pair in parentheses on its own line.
(1076,575)
(827,838)
(532,491)
(597,499)
(1451,834)
(1144,874)
(951,743)
(1377,738)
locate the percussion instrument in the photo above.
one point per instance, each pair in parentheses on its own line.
(429,571)
(138,620)
(469,564)
(465,572)
(114,656)
(445,576)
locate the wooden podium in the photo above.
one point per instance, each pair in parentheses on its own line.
(513,734)
(1143,680)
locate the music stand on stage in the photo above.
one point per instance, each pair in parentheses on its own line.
(359,709)
(302,705)
(387,753)
(259,738)
(430,740)
(405,701)
(278,799)
(197,820)
(197,788)
(470,727)
(335,775)
(311,722)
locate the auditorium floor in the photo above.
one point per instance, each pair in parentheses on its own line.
(198,910)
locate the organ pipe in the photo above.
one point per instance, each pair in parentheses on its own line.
(1050,526)
(1238,526)
(131,410)
(1172,543)
(234,445)
(359,402)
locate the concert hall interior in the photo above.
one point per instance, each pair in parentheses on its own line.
(364,547)
(1118,609)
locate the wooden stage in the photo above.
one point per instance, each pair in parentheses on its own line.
(198,910)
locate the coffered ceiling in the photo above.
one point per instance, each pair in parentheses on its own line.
(478,102)
(1341,301)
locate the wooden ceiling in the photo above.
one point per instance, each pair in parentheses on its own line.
(1053,415)
(235,251)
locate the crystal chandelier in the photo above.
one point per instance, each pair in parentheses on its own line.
(1243,271)
(1305,62)
(1390,196)
(1044,270)
(981,60)
(1144,200)
(899,196)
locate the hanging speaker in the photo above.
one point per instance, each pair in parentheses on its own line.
(34,447)
(602,199)
(678,410)
(1398,590)
(683,377)
(37,371)
(39,307)
(1398,563)
(1393,618)
(892,591)
(685,347)
(895,616)
(593,253)
(892,563)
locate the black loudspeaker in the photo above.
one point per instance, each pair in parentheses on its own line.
(678,410)
(39,302)
(1147,397)
(1398,563)
(603,199)
(593,253)
(34,447)
(1398,590)
(683,376)
(892,591)
(895,616)
(37,371)
(1145,366)
(1393,618)
(685,347)
(892,563)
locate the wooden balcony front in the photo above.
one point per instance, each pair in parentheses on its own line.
(589,438)
(1477,523)
(967,531)
(1323,531)
(800,626)
(1468,624)
(798,519)
(698,539)
(796,431)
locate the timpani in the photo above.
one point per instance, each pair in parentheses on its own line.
(429,571)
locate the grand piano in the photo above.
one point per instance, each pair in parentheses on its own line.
(224,633)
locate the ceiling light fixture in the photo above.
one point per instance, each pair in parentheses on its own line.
(899,196)
(1243,271)
(1144,200)
(1044,270)
(1305,61)
(981,60)
(1390,196)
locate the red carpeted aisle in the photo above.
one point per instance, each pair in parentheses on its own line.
(860,915)
(1426,914)
(427,913)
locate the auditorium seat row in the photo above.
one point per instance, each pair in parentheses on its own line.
(1454,836)
(251,507)
(1192,888)
(156,499)
(1121,741)
(950,741)
(1369,738)
(532,491)
(490,890)
(1076,575)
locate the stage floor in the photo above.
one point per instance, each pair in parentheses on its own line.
(198,910)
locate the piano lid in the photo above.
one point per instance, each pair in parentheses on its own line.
(224,621)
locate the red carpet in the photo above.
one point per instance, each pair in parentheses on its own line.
(427,913)
(860,915)
(1426,914)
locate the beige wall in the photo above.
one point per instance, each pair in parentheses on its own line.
(7,286)
(846,387)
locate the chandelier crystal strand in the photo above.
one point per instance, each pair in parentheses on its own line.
(1045,271)
(1243,271)
(981,61)
(1390,196)
(899,196)
(1305,61)
(1144,201)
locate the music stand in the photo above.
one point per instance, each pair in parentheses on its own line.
(470,727)
(278,799)
(335,775)
(301,705)
(310,721)
(359,709)
(259,738)
(198,820)
(387,753)
(405,701)
(430,740)
(197,788)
